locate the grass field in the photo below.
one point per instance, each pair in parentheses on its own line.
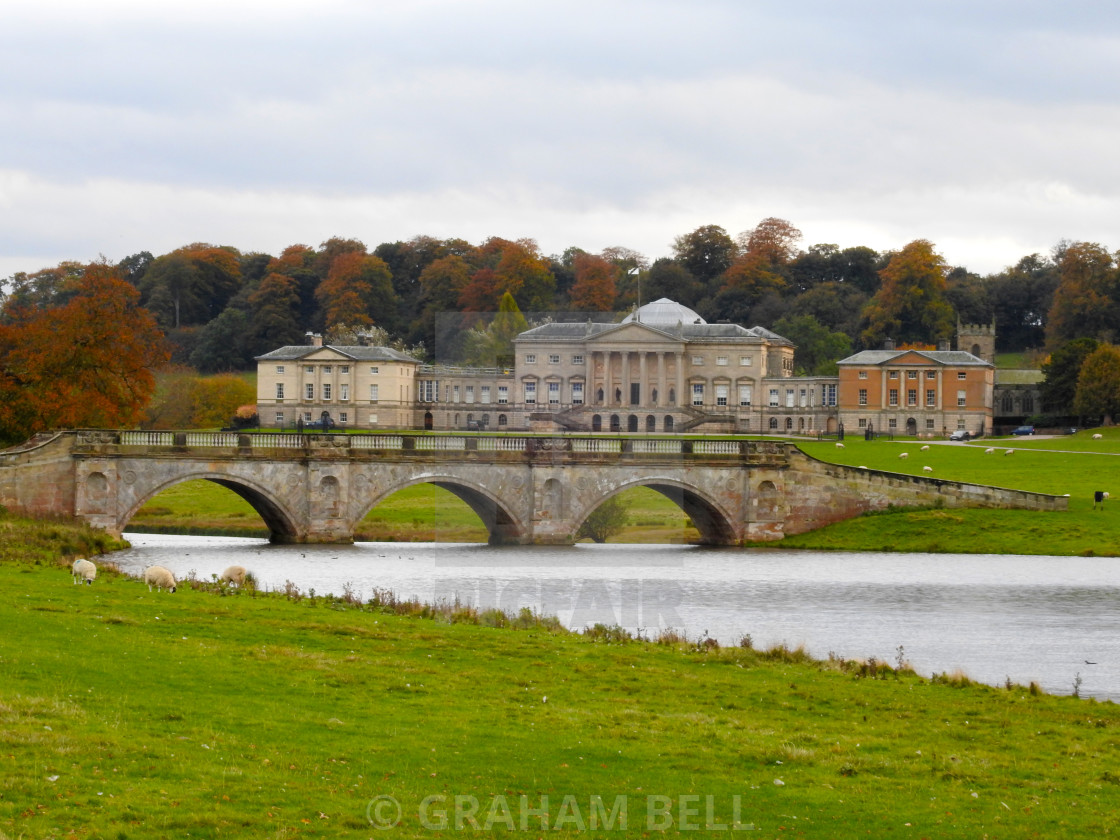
(1076,465)
(211,713)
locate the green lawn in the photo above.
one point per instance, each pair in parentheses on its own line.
(208,714)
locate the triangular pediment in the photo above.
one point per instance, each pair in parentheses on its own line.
(912,357)
(634,333)
(327,354)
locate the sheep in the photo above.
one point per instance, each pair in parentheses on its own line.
(927,469)
(839,446)
(989,450)
(83,569)
(1098,499)
(234,575)
(904,455)
(924,448)
(1097,436)
(160,578)
(1008,452)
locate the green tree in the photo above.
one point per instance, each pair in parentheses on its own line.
(706,253)
(1021,298)
(668,278)
(1060,373)
(492,346)
(222,344)
(605,521)
(274,308)
(1098,385)
(1087,300)
(910,306)
(818,348)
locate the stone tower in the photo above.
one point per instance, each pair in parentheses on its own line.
(978,339)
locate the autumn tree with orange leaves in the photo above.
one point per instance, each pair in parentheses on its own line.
(86,362)
(594,289)
(910,307)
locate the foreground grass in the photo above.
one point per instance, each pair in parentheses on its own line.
(125,713)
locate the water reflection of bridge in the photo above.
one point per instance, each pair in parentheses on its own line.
(525,489)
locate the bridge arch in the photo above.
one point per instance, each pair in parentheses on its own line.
(502,525)
(277,518)
(715,524)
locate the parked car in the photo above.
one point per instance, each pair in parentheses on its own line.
(1024,430)
(960,434)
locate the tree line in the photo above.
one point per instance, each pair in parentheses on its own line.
(216,308)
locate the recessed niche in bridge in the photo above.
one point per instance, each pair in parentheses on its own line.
(767,500)
(97,493)
(326,503)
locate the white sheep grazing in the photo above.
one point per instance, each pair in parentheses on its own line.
(1009,451)
(234,575)
(83,569)
(904,455)
(989,450)
(1097,436)
(927,469)
(924,448)
(160,578)
(839,446)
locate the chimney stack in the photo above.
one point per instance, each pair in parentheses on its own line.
(888,343)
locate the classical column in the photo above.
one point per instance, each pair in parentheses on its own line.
(680,379)
(608,381)
(662,395)
(625,378)
(643,386)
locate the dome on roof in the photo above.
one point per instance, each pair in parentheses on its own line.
(664,313)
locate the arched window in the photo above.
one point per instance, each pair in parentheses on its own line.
(774,423)
(668,422)
(596,423)
(789,424)
(651,423)
(632,423)
(501,419)
(1008,404)
(616,426)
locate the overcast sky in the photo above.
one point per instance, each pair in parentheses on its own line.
(989,128)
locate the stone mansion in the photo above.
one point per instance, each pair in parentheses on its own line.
(662,369)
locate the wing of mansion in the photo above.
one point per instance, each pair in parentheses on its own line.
(662,369)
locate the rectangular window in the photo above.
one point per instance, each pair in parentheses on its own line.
(328,369)
(744,395)
(892,396)
(307,417)
(309,369)
(829,393)
(554,393)
(931,398)
(863,422)
(803,398)
(279,390)
(343,417)
(577,360)
(374,369)
(960,423)
(912,397)
(961,374)
(503,394)
(773,397)
(484,394)
(554,358)
(789,398)
(698,393)
(326,391)
(455,394)
(931,374)
(863,396)
(530,358)
(344,368)
(863,374)
(577,393)
(531,393)
(373,393)
(427,390)
(961,397)
(892,424)
(929,424)
(309,391)
(892,374)
(721,394)
(697,360)
(279,368)
(343,392)
(469,395)
(373,419)
(721,360)
(279,418)
(745,361)
(911,374)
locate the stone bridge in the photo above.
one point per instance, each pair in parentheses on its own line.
(315,488)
